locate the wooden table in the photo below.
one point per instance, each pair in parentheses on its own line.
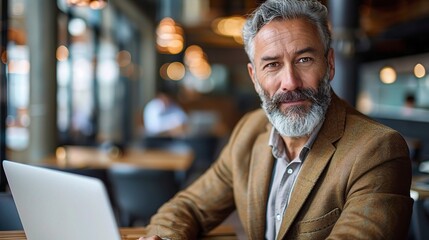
(219,233)
(92,157)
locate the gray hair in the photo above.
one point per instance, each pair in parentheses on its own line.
(312,10)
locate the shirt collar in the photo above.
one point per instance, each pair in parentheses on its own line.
(278,147)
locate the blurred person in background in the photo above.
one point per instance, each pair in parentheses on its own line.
(409,105)
(163,117)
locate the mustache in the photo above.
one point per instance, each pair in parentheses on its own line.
(320,96)
(300,94)
(296,95)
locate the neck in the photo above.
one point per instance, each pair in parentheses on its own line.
(294,145)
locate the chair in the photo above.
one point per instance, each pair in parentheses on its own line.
(420,220)
(9,218)
(140,192)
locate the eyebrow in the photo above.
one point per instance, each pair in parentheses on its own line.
(306,50)
(269,58)
(298,52)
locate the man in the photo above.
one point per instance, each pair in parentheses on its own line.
(163,117)
(310,167)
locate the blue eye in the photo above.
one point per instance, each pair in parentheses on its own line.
(305,59)
(272,65)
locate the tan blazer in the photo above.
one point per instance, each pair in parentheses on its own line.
(354,184)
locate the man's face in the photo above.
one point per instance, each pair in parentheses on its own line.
(291,73)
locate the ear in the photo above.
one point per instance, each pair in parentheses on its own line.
(331,63)
(252,72)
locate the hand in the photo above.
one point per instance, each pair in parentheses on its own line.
(150,238)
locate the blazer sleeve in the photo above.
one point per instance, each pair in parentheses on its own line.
(204,204)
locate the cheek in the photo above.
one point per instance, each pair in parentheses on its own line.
(311,79)
(269,84)
(312,83)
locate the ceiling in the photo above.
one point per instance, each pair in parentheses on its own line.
(392,27)
(395,27)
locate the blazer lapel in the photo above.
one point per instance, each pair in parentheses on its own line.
(316,161)
(312,167)
(259,182)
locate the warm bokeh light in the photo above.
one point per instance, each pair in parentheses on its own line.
(229,26)
(175,71)
(365,103)
(238,39)
(93,4)
(201,70)
(79,3)
(196,60)
(4,57)
(175,46)
(419,70)
(97,4)
(169,37)
(61,156)
(60,153)
(62,53)
(172,71)
(163,71)
(193,54)
(388,75)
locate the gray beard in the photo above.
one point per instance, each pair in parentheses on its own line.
(297,121)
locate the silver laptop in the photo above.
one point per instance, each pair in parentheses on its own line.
(59,205)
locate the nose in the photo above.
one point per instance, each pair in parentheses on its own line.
(289,79)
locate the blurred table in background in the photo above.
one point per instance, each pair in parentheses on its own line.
(95,157)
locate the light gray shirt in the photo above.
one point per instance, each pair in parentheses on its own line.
(285,172)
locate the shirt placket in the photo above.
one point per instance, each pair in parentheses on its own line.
(284,189)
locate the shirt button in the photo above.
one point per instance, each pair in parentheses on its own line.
(278,217)
(289,171)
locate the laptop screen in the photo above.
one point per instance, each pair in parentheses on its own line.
(59,205)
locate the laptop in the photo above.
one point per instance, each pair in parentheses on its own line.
(59,205)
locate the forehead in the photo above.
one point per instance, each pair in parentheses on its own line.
(292,34)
